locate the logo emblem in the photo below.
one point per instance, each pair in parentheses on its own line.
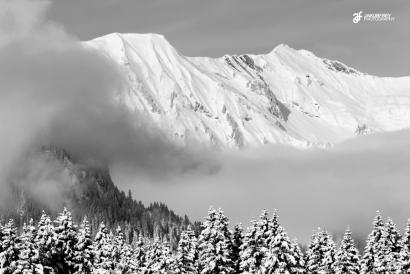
(357,16)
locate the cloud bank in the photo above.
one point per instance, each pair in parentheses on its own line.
(54,91)
(331,188)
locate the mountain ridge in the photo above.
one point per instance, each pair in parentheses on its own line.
(286,96)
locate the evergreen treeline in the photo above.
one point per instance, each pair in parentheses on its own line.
(61,246)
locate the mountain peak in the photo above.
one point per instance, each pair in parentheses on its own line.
(288,96)
(153,37)
(282,47)
(121,45)
(144,39)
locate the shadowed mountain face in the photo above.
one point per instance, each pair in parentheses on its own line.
(286,96)
(87,190)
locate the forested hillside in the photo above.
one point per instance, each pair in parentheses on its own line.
(91,192)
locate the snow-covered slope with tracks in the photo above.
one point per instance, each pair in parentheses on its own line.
(287,96)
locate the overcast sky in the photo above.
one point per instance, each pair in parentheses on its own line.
(217,27)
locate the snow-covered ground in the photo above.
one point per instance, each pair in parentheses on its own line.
(287,96)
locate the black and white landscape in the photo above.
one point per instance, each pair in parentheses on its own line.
(169,136)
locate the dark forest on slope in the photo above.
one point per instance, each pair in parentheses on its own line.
(91,192)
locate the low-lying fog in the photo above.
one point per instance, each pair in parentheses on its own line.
(310,188)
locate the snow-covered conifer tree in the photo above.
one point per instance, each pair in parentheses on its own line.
(405,252)
(122,253)
(126,263)
(389,260)
(138,258)
(45,243)
(9,247)
(83,249)
(118,244)
(186,256)
(280,255)
(373,250)
(320,256)
(65,241)
(347,258)
(158,258)
(28,256)
(237,242)
(299,265)
(214,244)
(103,249)
(254,247)
(251,257)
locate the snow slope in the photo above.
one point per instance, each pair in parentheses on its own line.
(287,96)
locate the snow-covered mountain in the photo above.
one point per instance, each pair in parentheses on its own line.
(287,96)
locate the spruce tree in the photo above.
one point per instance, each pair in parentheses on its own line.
(250,254)
(347,256)
(45,243)
(118,245)
(299,264)
(405,252)
(126,263)
(103,249)
(9,247)
(83,249)
(158,258)
(254,247)
(320,256)
(281,255)
(187,255)
(28,256)
(65,241)
(237,242)
(391,248)
(214,245)
(138,257)
(122,253)
(373,250)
